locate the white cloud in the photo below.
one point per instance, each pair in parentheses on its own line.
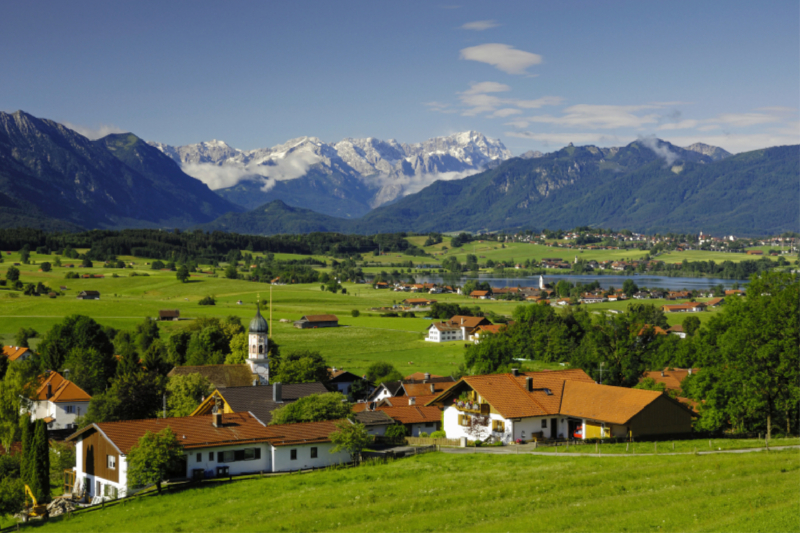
(439,107)
(562,139)
(505,112)
(600,117)
(710,127)
(502,56)
(777,109)
(539,102)
(480,25)
(745,119)
(290,167)
(661,150)
(94,133)
(487,87)
(517,123)
(737,143)
(682,125)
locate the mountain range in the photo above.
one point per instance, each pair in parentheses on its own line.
(346,179)
(56,179)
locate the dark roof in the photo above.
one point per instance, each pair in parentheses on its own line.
(258,400)
(169,313)
(319,318)
(374,418)
(258,324)
(221,376)
(342,376)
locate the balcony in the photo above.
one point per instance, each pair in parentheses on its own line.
(473,407)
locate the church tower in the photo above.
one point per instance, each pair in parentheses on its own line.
(258,343)
(541,282)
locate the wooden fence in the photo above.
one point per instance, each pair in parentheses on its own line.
(427,441)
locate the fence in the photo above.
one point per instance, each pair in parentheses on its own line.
(427,441)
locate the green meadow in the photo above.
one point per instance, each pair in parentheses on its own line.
(484,492)
(127,299)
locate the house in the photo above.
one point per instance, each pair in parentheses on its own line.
(482,331)
(381,285)
(458,328)
(734,292)
(57,401)
(89,295)
(420,376)
(169,314)
(641,295)
(375,422)
(221,376)
(214,445)
(317,321)
(481,295)
(691,307)
(428,386)
(670,377)
(16,353)
(418,302)
(677,329)
(715,302)
(593,298)
(259,401)
(343,380)
(556,404)
(416,418)
(755,252)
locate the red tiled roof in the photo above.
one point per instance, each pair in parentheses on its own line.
(424,389)
(413,414)
(604,402)
(468,321)
(62,390)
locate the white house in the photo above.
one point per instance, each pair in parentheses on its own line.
(215,445)
(16,353)
(458,328)
(555,405)
(58,401)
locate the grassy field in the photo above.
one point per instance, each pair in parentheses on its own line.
(478,492)
(126,300)
(678,446)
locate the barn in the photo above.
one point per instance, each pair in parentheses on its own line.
(317,321)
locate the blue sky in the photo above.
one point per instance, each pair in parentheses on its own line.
(535,74)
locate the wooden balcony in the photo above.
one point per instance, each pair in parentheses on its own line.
(473,407)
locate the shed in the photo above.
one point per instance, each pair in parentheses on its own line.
(317,321)
(89,295)
(169,314)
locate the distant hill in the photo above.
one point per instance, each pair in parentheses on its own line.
(276,217)
(54,178)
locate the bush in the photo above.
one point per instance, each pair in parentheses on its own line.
(207,300)
(396,433)
(354,313)
(439,435)
(423,434)
(71,275)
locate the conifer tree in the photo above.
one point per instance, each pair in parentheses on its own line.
(40,474)
(27,448)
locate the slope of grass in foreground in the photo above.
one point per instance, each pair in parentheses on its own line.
(475,492)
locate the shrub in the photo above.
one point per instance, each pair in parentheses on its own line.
(397,433)
(207,300)
(439,435)
(354,313)
(423,434)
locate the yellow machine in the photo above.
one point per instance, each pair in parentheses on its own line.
(35,509)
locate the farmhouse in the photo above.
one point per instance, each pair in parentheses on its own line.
(343,380)
(89,295)
(458,328)
(215,445)
(58,401)
(482,331)
(427,386)
(16,353)
(670,377)
(259,401)
(684,308)
(481,295)
(169,314)
(715,302)
(317,321)
(416,418)
(418,302)
(554,405)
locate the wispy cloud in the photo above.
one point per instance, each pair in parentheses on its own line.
(502,56)
(561,139)
(481,98)
(506,112)
(291,167)
(681,125)
(601,116)
(745,119)
(661,150)
(440,107)
(480,25)
(94,133)
(487,87)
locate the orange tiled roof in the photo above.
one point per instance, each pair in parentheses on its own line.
(468,321)
(320,318)
(495,328)
(413,414)
(61,390)
(424,389)
(671,378)
(419,376)
(604,402)
(14,352)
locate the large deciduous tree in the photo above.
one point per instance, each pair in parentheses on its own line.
(152,458)
(313,408)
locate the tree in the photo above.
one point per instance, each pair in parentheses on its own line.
(629,287)
(313,408)
(12,274)
(495,353)
(20,381)
(182,274)
(382,372)
(396,433)
(26,465)
(125,346)
(185,392)
(75,331)
(12,495)
(86,263)
(22,336)
(130,397)
(351,437)
(359,390)
(239,350)
(40,463)
(750,360)
(230,272)
(62,457)
(155,358)
(304,366)
(153,458)
(90,370)
(46,267)
(690,325)
(146,333)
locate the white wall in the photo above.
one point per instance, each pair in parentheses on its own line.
(264,464)
(63,419)
(455,431)
(282,461)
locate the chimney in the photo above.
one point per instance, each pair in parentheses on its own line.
(662,373)
(277,393)
(66,373)
(515,372)
(333,369)
(433,388)
(255,382)
(412,401)
(529,384)
(690,371)
(49,390)
(216,420)
(427,375)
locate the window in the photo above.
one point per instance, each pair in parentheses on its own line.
(544,423)
(260,348)
(111,462)
(428,424)
(199,457)
(498,425)
(70,409)
(210,456)
(314,453)
(228,456)
(78,411)
(293,454)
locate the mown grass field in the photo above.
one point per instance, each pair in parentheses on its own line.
(678,446)
(478,492)
(126,300)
